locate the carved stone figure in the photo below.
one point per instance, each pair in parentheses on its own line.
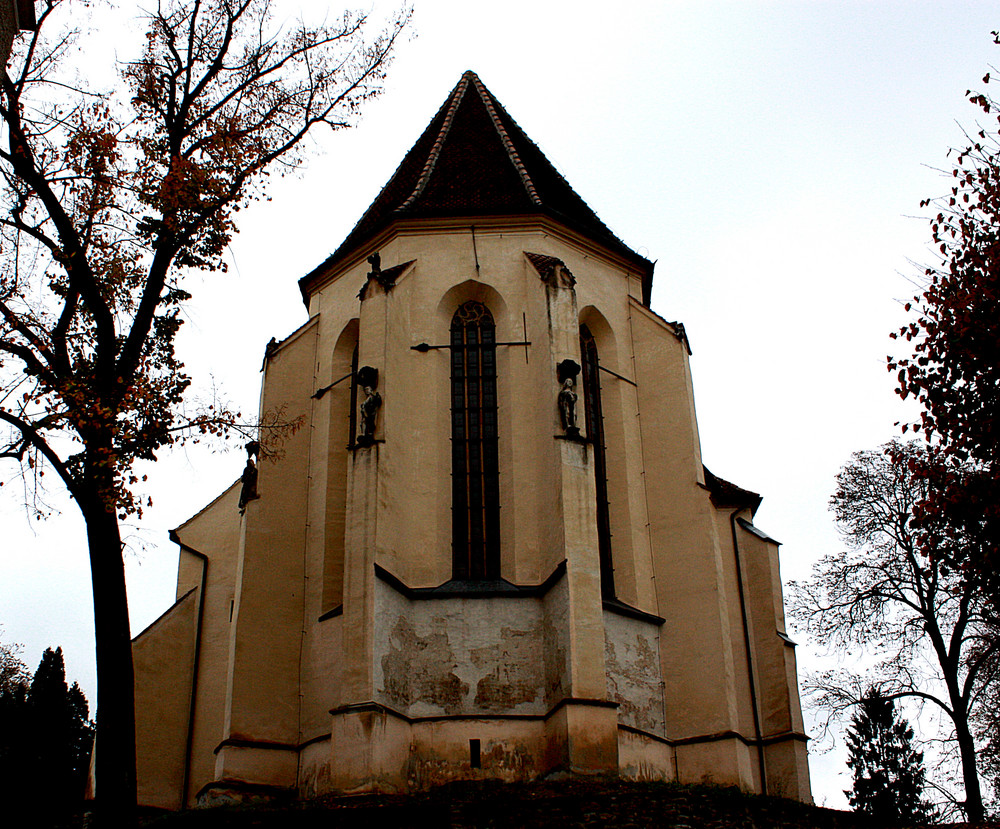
(269,349)
(249,477)
(567,372)
(368,380)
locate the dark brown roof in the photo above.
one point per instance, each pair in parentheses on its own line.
(725,494)
(473,160)
(549,267)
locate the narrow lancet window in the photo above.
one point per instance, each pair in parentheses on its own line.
(352,425)
(595,432)
(474,464)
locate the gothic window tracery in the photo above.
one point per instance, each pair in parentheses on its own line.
(474,445)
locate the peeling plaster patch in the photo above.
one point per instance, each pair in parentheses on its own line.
(555,664)
(314,777)
(554,643)
(433,765)
(514,670)
(645,773)
(633,672)
(470,656)
(421,668)
(512,762)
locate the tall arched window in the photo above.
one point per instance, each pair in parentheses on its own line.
(341,397)
(475,474)
(352,418)
(595,431)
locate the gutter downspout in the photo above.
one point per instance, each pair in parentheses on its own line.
(747,645)
(189,740)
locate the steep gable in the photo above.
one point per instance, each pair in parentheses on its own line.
(473,160)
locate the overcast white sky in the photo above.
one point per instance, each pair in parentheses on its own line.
(770,156)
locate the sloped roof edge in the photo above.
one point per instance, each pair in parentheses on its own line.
(473,161)
(726,494)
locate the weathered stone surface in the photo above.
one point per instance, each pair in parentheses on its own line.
(631,651)
(460,656)
(420,667)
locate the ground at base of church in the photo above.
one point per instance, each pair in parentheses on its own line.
(571,803)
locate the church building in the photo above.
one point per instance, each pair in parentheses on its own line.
(491,549)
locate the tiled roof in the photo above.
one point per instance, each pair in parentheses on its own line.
(726,494)
(473,160)
(550,268)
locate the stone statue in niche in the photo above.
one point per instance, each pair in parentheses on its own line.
(567,372)
(367,378)
(248,492)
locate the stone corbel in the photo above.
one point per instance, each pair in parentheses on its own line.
(552,271)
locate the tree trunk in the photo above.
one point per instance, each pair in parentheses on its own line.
(116,778)
(974,811)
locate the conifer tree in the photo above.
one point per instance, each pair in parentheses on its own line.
(888,770)
(14,681)
(45,741)
(62,734)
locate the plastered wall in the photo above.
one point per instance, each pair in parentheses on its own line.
(464,656)
(632,660)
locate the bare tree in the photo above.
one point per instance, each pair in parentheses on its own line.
(927,629)
(13,672)
(105,206)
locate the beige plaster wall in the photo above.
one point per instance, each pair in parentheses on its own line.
(698,659)
(744,723)
(314,768)
(180,661)
(726,761)
(163,660)
(215,533)
(774,655)
(262,700)
(414,534)
(510,750)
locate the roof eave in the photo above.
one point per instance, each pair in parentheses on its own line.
(373,241)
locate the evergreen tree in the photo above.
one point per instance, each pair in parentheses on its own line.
(888,770)
(45,740)
(61,729)
(13,727)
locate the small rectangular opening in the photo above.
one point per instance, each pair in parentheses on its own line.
(475,760)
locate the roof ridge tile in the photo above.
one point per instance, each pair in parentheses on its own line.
(432,157)
(508,145)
